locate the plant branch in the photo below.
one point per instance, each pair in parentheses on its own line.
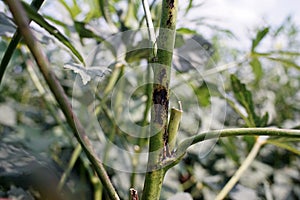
(174,122)
(158,144)
(36,4)
(42,62)
(238,174)
(151,31)
(185,144)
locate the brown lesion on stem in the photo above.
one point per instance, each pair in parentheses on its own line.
(161,101)
(134,194)
(171,4)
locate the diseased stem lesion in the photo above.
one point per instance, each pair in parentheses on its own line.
(158,146)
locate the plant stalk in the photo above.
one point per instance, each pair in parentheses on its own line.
(36,4)
(158,145)
(276,132)
(238,174)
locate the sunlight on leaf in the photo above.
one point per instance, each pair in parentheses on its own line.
(88,73)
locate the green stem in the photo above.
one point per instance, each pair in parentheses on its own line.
(136,157)
(158,151)
(152,37)
(175,119)
(143,18)
(42,62)
(238,111)
(104,8)
(153,183)
(150,25)
(75,155)
(185,144)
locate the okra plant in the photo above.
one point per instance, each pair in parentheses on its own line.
(144,96)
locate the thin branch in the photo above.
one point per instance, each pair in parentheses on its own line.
(185,144)
(174,122)
(42,62)
(245,165)
(36,4)
(150,25)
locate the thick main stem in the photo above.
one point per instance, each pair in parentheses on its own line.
(42,62)
(158,150)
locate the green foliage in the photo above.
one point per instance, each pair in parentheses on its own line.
(83,32)
(33,15)
(257,68)
(185,31)
(259,36)
(244,97)
(265,80)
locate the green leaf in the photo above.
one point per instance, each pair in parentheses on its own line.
(137,54)
(189,7)
(286,62)
(230,149)
(203,95)
(58,22)
(264,120)
(256,68)
(204,92)
(284,145)
(94,12)
(185,31)
(259,36)
(244,97)
(103,4)
(74,10)
(36,4)
(86,33)
(277,53)
(33,15)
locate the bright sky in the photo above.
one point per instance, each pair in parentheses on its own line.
(252,11)
(241,16)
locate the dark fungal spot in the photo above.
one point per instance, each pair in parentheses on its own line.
(171,3)
(161,102)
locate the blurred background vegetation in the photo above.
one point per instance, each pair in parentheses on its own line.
(31,120)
